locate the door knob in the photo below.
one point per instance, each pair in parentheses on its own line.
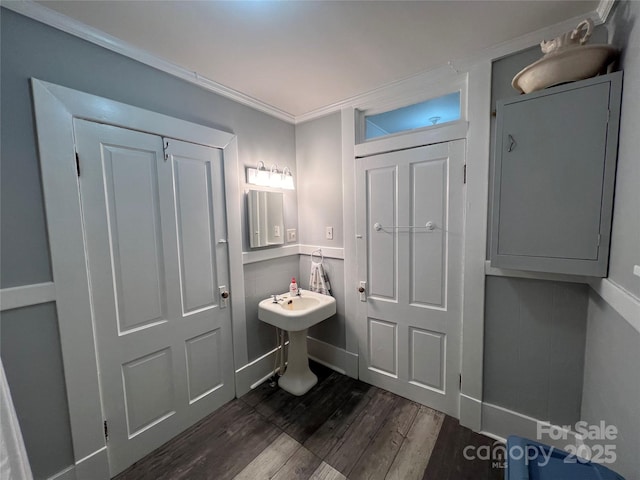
(361,290)
(224,294)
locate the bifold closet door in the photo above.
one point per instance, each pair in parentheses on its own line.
(153,214)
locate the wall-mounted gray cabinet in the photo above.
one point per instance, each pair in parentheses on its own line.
(554,178)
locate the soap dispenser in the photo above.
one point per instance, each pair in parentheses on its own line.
(293,287)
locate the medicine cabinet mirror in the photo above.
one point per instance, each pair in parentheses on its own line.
(266,218)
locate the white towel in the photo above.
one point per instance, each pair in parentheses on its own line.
(318,280)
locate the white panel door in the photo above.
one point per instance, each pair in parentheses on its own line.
(152,222)
(409,322)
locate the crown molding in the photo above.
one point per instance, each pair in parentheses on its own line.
(462,65)
(54,19)
(45,15)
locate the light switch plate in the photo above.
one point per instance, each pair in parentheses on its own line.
(636,270)
(291,235)
(276,230)
(329,233)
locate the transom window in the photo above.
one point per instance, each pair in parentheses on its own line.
(434,111)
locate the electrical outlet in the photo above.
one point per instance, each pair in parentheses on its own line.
(291,235)
(276,230)
(329,233)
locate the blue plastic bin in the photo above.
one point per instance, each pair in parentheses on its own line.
(527,460)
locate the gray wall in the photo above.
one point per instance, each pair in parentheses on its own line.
(534,347)
(31,49)
(524,317)
(611,379)
(612,382)
(320,203)
(319,159)
(625,233)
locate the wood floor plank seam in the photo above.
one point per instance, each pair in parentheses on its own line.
(378,457)
(362,432)
(270,460)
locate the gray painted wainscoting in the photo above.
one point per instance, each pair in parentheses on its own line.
(332,330)
(32,359)
(612,382)
(534,347)
(263,279)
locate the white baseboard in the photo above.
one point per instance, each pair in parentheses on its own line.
(493,436)
(499,423)
(333,357)
(255,372)
(470,412)
(94,466)
(66,474)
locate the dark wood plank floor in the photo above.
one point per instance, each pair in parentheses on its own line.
(341,429)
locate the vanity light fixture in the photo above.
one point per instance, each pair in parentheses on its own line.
(258,176)
(287,179)
(270,178)
(275,177)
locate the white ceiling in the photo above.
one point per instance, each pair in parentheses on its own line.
(299,56)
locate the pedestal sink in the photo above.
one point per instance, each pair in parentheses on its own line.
(295,315)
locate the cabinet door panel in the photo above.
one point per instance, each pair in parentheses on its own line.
(551,174)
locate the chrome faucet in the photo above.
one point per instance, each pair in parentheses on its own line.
(275,298)
(299,294)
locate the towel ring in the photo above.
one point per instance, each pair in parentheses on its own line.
(318,252)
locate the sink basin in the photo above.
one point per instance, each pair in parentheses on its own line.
(300,304)
(297,313)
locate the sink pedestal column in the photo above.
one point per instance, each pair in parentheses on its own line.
(298,378)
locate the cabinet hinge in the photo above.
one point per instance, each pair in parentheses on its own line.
(464,173)
(106,431)
(599,237)
(77,164)
(460,382)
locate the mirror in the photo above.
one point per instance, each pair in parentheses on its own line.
(266,219)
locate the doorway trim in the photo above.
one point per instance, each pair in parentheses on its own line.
(475,80)
(55,108)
